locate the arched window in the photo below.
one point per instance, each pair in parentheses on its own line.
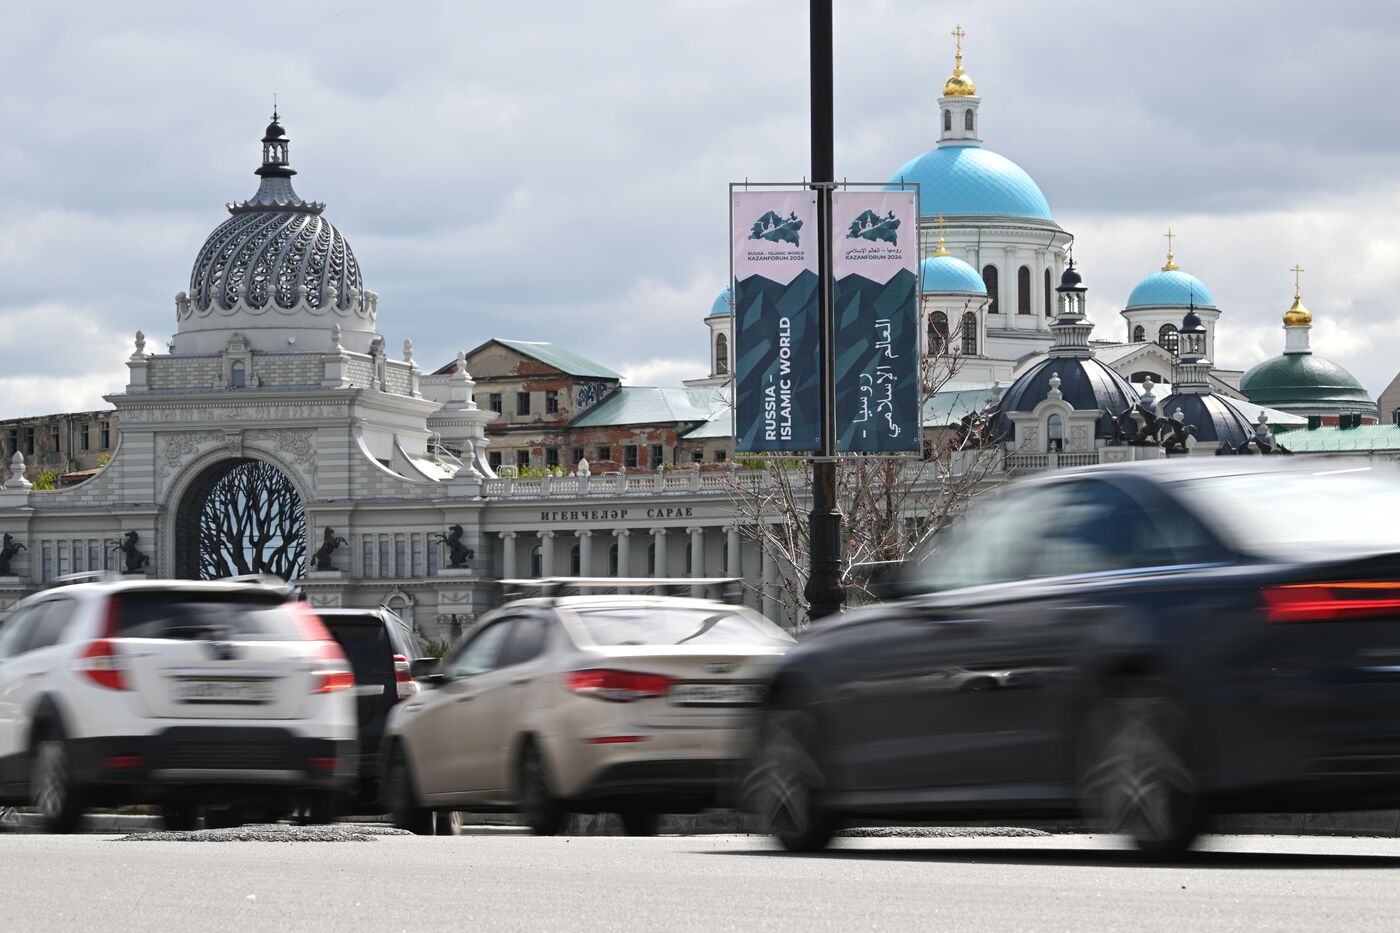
(1055,432)
(1049,290)
(1142,374)
(536,562)
(1023,290)
(967,119)
(937,333)
(1139,334)
(1166,338)
(238,375)
(575,562)
(721,355)
(947,121)
(969,334)
(989,277)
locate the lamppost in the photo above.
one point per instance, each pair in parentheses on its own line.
(823,591)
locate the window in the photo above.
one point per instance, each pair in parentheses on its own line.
(1049,290)
(723,455)
(672,625)
(14,441)
(522,403)
(989,278)
(937,333)
(1099,527)
(94,556)
(991,546)
(536,561)
(400,557)
(1055,432)
(1142,374)
(967,119)
(629,456)
(551,456)
(29,442)
(238,375)
(551,402)
(947,121)
(47,629)
(612,560)
(495,404)
(493,459)
(106,430)
(969,334)
(432,557)
(55,439)
(84,438)
(386,569)
(16,630)
(522,459)
(575,561)
(605,454)
(526,642)
(417,569)
(576,454)
(1166,338)
(481,653)
(79,552)
(721,355)
(657,458)
(62,558)
(1139,334)
(651,559)
(697,456)
(48,560)
(1023,290)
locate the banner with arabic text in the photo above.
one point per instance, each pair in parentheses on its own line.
(777,389)
(875,261)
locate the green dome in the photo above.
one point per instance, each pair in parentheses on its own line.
(1302,381)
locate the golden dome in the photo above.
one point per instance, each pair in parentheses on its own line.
(959,85)
(1297,316)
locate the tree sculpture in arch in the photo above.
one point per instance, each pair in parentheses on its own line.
(252,521)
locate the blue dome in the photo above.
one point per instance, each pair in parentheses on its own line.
(1216,420)
(950,275)
(723,305)
(1171,288)
(957,180)
(1085,384)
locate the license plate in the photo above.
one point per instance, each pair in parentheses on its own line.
(223,691)
(716,694)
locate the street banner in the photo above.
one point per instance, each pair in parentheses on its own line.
(777,363)
(875,262)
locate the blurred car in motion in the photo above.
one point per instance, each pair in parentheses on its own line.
(177,693)
(632,704)
(380,649)
(1150,645)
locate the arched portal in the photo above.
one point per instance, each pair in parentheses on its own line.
(240,516)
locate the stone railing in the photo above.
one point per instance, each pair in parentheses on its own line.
(680,482)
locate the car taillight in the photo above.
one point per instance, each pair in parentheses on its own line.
(619,686)
(1328,602)
(333,671)
(403,679)
(103,665)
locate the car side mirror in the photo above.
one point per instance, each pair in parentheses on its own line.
(427,670)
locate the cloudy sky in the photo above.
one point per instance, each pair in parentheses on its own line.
(557,170)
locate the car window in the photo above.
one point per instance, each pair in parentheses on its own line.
(15,630)
(679,625)
(994,543)
(264,615)
(51,620)
(481,653)
(365,645)
(526,642)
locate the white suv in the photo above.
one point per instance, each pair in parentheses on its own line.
(179,693)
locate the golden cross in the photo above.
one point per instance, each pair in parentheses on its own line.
(1171,258)
(1297,270)
(958,35)
(941,250)
(1170,236)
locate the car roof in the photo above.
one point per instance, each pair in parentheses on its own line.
(615,600)
(1182,469)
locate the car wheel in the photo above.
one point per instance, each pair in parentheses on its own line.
(179,815)
(51,787)
(639,822)
(784,789)
(1137,779)
(539,808)
(228,816)
(401,798)
(447,822)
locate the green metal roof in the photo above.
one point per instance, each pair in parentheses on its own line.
(648,405)
(1367,437)
(568,363)
(1303,380)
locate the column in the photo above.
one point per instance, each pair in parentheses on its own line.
(507,555)
(770,580)
(624,551)
(546,553)
(585,553)
(697,557)
(658,538)
(733,564)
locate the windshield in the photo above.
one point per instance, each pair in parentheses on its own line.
(663,625)
(1301,513)
(218,616)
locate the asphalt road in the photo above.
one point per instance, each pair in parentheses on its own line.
(507,881)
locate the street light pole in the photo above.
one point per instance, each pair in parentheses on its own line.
(823,592)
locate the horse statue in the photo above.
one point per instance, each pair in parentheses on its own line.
(457,553)
(329,543)
(1176,432)
(8,551)
(136,561)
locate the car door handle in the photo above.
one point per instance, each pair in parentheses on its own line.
(465,697)
(520,680)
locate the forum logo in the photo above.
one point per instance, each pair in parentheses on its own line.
(775,229)
(871,226)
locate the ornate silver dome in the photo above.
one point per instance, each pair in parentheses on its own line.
(276,249)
